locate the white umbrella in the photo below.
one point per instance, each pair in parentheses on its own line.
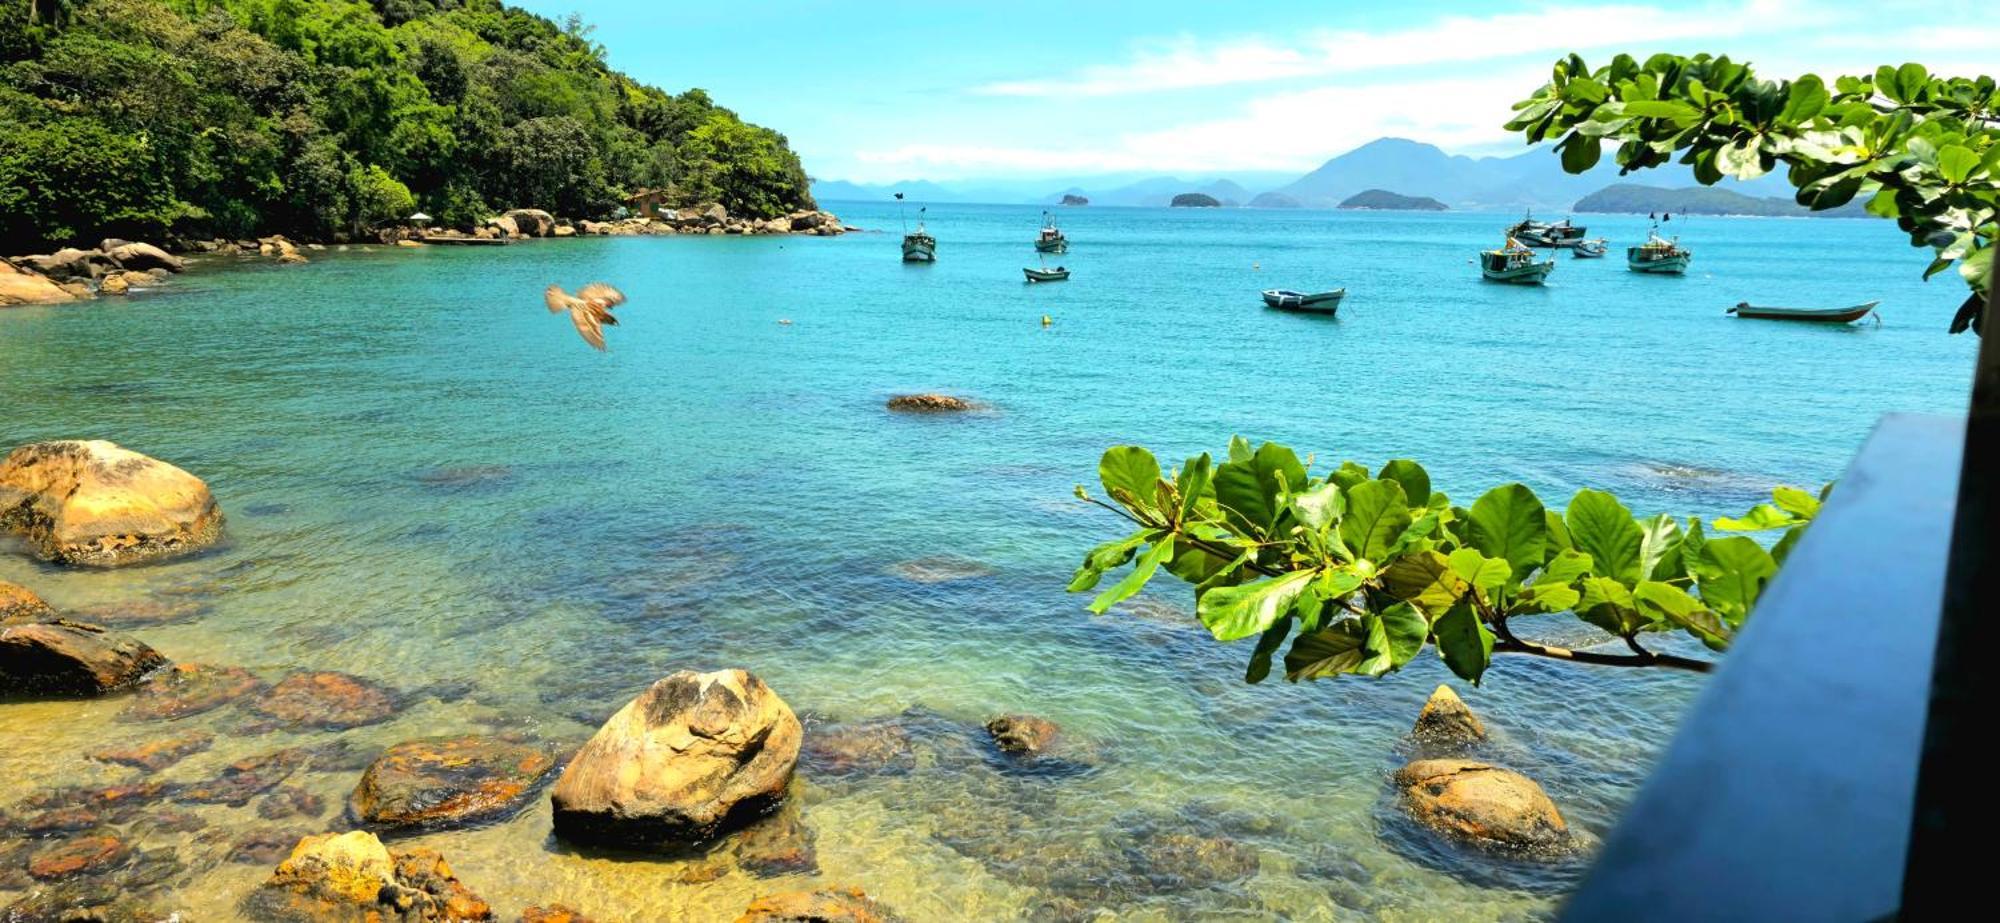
(420,216)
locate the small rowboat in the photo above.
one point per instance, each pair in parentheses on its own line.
(1589,249)
(1820,315)
(1057,274)
(1315,302)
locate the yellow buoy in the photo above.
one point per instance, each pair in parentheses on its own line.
(1046,321)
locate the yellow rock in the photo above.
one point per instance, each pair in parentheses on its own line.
(92,502)
(19,286)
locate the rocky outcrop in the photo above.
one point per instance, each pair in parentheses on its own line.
(1024,735)
(141,257)
(94,503)
(448,781)
(19,604)
(1447,721)
(20,286)
(694,755)
(70,264)
(1482,804)
(64,658)
(532,222)
(826,905)
(336,701)
(352,876)
(929,403)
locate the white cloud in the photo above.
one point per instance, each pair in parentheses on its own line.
(1185,63)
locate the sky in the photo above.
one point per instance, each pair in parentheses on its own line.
(888,90)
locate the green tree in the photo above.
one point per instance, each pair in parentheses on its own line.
(1919,148)
(1352,572)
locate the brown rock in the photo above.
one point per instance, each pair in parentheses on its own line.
(449,781)
(564,230)
(352,876)
(190,689)
(18,604)
(92,502)
(84,855)
(554,913)
(871,746)
(826,905)
(1482,803)
(142,257)
(328,700)
(778,845)
(531,221)
(1025,735)
(291,801)
(406,242)
(929,403)
(246,778)
(70,658)
(155,755)
(1447,720)
(70,264)
(21,286)
(693,755)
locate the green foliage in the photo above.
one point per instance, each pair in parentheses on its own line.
(1361,572)
(323,117)
(1918,148)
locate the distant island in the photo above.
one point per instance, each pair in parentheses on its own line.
(1630,198)
(1275,200)
(1074,199)
(1195,200)
(1384,200)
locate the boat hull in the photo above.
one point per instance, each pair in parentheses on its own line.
(1052,246)
(919,251)
(1046,275)
(1672,265)
(1530,274)
(1308,302)
(1810,315)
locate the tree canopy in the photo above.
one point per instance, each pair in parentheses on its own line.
(1918,148)
(321,118)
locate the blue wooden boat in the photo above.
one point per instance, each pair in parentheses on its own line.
(1658,255)
(1514,263)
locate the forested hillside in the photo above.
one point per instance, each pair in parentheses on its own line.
(322,118)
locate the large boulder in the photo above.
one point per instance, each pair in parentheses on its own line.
(92,502)
(1446,720)
(352,876)
(929,403)
(70,658)
(1482,804)
(826,905)
(694,755)
(141,257)
(448,781)
(21,286)
(19,604)
(532,221)
(70,264)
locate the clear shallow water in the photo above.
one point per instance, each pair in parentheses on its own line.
(433,484)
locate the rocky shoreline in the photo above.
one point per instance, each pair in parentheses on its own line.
(119,267)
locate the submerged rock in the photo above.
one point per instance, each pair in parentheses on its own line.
(940,568)
(449,781)
(65,658)
(826,905)
(1024,735)
(19,604)
(190,689)
(874,746)
(291,801)
(1447,720)
(82,855)
(336,701)
(929,403)
(95,503)
(1483,804)
(352,876)
(778,845)
(246,778)
(692,756)
(155,755)
(554,913)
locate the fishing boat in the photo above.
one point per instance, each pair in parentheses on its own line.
(1057,274)
(1589,249)
(1818,315)
(1314,302)
(1514,263)
(1051,240)
(1534,233)
(1658,255)
(919,246)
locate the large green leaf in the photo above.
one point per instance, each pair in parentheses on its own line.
(1347,475)
(1131,476)
(1338,648)
(1465,643)
(1377,514)
(1487,575)
(1415,480)
(1660,549)
(1608,604)
(1554,589)
(1674,605)
(1318,507)
(1603,528)
(1252,492)
(1193,483)
(1267,646)
(1406,630)
(1105,557)
(1510,523)
(1796,502)
(1731,572)
(1425,580)
(1135,580)
(1234,612)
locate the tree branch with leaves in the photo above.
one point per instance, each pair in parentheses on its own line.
(1922,149)
(1361,572)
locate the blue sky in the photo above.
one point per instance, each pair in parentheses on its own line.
(943,90)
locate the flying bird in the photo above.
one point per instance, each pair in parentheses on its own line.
(590,309)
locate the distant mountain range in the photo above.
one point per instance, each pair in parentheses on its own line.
(1384,200)
(1532,179)
(1630,198)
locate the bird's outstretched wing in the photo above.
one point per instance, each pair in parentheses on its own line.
(601,294)
(558,300)
(589,325)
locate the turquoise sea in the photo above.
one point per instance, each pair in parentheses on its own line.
(433,484)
